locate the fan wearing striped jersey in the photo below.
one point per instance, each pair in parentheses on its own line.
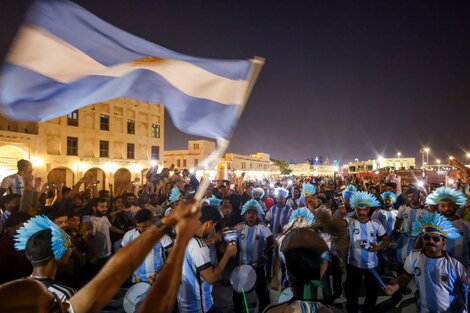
(442,280)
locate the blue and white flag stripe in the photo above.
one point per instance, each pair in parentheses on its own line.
(65,58)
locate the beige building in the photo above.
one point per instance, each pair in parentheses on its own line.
(306,169)
(115,141)
(381,163)
(256,165)
(197,151)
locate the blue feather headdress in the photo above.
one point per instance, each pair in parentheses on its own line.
(281,192)
(348,191)
(302,213)
(60,241)
(363,199)
(308,190)
(213,201)
(252,204)
(175,195)
(435,222)
(389,195)
(446,194)
(257,191)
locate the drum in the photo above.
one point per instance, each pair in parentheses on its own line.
(135,296)
(243,278)
(230,235)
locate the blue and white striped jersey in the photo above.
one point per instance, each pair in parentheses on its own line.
(459,248)
(252,242)
(153,261)
(195,294)
(278,217)
(363,233)
(442,282)
(386,218)
(409,216)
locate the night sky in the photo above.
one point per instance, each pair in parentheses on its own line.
(342,79)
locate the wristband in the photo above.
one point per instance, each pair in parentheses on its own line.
(163,228)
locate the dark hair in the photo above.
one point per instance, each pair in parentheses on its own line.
(102,192)
(22,164)
(210,213)
(128,194)
(7,198)
(303,265)
(116,198)
(53,214)
(38,248)
(391,184)
(101,200)
(16,218)
(143,215)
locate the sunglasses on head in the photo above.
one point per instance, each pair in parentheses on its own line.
(434,238)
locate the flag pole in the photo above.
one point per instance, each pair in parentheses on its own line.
(222,143)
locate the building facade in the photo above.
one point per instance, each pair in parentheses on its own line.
(381,163)
(114,141)
(255,166)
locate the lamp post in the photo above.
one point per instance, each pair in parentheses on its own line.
(427,155)
(438,164)
(398,154)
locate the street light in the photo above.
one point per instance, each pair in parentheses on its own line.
(427,154)
(468,155)
(398,154)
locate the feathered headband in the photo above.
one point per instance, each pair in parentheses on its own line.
(435,222)
(363,199)
(302,214)
(60,241)
(348,191)
(175,195)
(446,194)
(308,190)
(252,204)
(389,195)
(259,191)
(281,192)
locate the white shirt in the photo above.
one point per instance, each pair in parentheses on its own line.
(442,282)
(13,184)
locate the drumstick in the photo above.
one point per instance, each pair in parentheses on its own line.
(376,275)
(244,300)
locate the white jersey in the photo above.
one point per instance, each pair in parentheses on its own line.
(459,248)
(363,234)
(409,216)
(442,282)
(252,242)
(153,261)
(195,294)
(13,184)
(386,218)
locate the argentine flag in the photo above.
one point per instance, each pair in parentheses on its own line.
(64,58)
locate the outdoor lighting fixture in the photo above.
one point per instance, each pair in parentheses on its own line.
(398,154)
(315,173)
(438,161)
(290,182)
(191,170)
(36,161)
(451,158)
(420,183)
(153,163)
(468,155)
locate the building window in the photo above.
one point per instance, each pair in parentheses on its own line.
(155,131)
(104,122)
(72,118)
(184,163)
(130,151)
(130,126)
(178,163)
(155,153)
(196,146)
(243,165)
(196,161)
(72,146)
(104,149)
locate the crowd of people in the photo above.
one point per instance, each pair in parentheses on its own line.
(313,240)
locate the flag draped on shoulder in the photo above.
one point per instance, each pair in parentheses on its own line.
(64,58)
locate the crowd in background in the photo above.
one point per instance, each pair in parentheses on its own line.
(101,223)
